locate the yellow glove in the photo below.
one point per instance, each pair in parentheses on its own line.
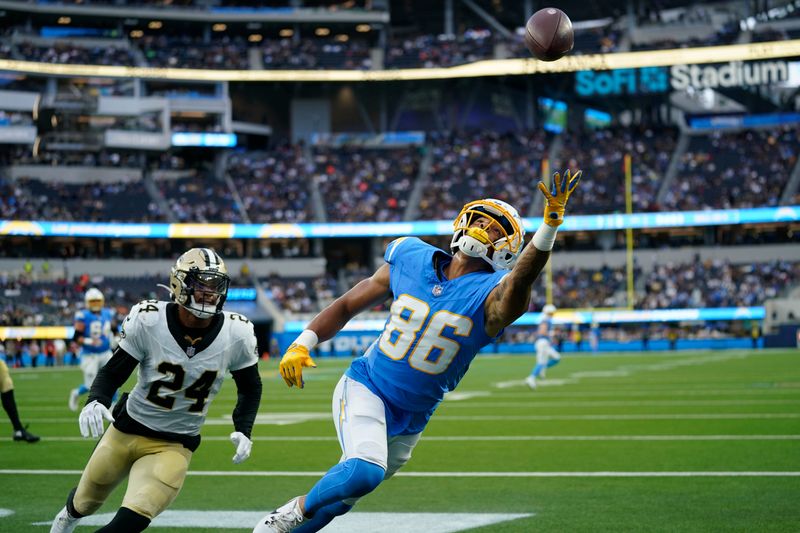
(556,198)
(292,363)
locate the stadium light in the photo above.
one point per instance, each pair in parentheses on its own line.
(286,32)
(155,24)
(64,20)
(219,27)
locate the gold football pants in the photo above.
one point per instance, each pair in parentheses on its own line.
(5,379)
(156,470)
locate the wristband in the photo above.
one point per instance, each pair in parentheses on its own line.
(545,237)
(307,339)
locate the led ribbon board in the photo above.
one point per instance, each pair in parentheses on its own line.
(675,219)
(495,67)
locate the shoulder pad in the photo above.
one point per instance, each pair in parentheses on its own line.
(402,246)
(239,324)
(146,312)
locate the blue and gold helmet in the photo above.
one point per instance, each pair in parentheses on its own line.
(474,242)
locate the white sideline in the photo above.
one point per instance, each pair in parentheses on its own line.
(289,473)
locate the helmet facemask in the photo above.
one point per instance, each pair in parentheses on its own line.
(474,241)
(199,282)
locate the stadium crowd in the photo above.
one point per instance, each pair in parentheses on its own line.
(750,168)
(175,48)
(744,169)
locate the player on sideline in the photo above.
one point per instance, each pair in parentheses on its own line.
(445,308)
(93,335)
(183,349)
(546,355)
(10,406)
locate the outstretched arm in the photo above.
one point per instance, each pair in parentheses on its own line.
(365,294)
(510,299)
(330,321)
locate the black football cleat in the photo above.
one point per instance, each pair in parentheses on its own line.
(24,434)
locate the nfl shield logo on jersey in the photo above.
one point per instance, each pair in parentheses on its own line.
(437,290)
(190,351)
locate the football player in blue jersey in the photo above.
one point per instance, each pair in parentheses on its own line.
(445,308)
(546,355)
(93,335)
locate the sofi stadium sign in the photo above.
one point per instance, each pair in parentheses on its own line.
(681,77)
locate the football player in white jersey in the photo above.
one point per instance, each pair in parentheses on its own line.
(183,349)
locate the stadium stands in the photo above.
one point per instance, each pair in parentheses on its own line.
(744,169)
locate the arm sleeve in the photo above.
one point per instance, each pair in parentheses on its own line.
(112,376)
(248,385)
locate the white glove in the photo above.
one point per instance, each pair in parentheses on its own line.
(91,419)
(243,446)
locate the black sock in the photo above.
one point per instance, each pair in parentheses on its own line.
(126,521)
(71,506)
(11,408)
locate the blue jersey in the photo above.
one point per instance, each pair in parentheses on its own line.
(545,328)
(435,328)
(95,326)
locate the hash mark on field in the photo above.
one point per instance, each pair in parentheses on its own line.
(466,395)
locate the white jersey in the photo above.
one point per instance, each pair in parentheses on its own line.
(178,380)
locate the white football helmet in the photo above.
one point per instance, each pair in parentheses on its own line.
(199,282)
(549,309)
(94,300)
(474,242)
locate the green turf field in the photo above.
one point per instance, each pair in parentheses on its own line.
(687,441)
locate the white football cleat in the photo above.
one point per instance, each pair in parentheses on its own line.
(531,382)
(63,522)
(283,519)
(73,400)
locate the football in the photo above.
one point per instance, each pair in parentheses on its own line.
(548,34)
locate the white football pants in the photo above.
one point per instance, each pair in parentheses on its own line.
(360,421)
(545,352)
(91,365)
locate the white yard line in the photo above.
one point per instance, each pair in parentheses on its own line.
(296,418)
(505,438)
(288,473)
(544,403)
